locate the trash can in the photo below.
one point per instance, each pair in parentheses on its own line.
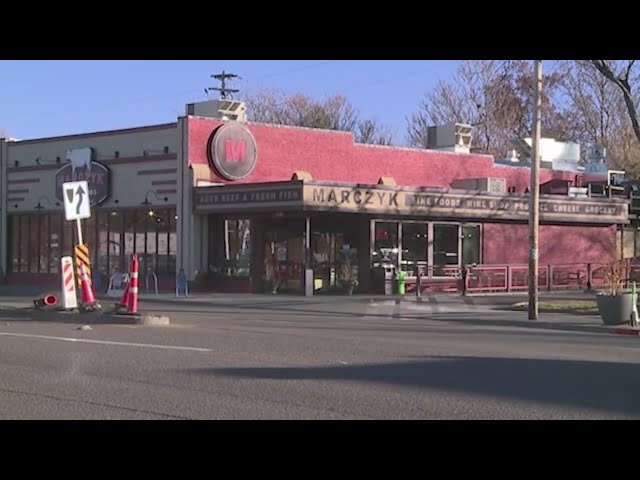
(383,279)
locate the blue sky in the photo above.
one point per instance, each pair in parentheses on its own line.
(58,97)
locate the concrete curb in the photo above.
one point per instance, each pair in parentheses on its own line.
(141,319)
(108,317)
(627,331)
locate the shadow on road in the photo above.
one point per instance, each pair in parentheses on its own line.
(609,387)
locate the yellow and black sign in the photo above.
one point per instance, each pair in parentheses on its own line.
(82,257)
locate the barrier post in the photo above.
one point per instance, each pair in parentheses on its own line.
(133,287)
(181,283)
(69,296)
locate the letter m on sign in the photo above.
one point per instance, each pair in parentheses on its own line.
(236,152)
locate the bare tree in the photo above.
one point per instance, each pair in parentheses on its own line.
(372,132)
(492,96)
(621,74)
(333,113)
(599,113)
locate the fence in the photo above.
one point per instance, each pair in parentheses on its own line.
(514,278)
(154,282)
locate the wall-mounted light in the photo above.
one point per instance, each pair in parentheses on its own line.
(39,206)
(146,198)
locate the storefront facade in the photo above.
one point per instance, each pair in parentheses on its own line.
(251,207)
(132,181)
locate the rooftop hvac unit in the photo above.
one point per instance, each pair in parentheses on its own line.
(597,190)
(222,109)
(523,148)
(635,203)
(511,157)
(596,153)
(578,192)
(455,137)
(233,110)
(486,184)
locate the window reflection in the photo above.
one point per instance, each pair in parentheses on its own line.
(385,249)
(414,246)
(38,241)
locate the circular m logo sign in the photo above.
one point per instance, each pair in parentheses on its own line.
(233,152)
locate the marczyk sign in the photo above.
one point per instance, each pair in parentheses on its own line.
(312,196)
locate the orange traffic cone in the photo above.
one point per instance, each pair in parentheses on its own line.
(132,301)
(88,298)
(124,301)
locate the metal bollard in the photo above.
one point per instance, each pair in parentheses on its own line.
(419,288)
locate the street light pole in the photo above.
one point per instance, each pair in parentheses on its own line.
(534,197)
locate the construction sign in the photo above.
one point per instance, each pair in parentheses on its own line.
(82,258)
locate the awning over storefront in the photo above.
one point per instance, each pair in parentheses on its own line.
(318,196)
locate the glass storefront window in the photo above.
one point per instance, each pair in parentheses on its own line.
(14,231)
(157,240)
(34,238)
(115,240)
(55,242)
(445,244)
(102,249)
(385,247)
(23,247)
(173,241)
(414,246)
(38,241)
(238,247)
(470,244)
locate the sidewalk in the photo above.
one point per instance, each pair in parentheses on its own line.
(480,310)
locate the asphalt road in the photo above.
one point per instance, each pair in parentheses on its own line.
(324,360)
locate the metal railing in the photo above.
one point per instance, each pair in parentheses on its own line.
(154,278)
(512,278)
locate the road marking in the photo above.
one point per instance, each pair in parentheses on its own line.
(105,342)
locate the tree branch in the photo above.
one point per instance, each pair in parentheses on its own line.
(623,85)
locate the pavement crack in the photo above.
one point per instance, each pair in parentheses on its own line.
(89,402)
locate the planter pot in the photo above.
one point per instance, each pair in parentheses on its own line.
(615,309)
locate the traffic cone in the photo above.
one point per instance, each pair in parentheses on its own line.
(124,301)
(132,301)
(88,298)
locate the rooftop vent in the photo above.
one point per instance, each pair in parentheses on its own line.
(455,137)
(227,110)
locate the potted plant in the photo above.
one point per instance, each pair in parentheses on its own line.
(271,279)
(349,285)
(615,303)
(348,277)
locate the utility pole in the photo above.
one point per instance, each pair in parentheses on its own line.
(534,197)
(222,78)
